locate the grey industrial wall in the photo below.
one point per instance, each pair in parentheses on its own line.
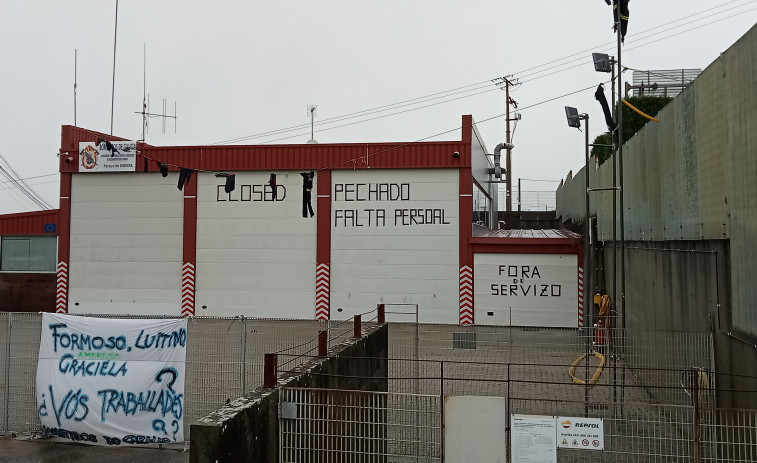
(690,185)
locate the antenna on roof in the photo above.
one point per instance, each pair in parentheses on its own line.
(312,114)
(76,52)
(146,114)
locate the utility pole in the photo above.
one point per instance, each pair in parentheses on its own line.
(508,82)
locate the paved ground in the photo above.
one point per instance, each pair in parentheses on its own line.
(26,450)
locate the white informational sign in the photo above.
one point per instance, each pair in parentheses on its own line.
(526,289)
(533,439)
(580,433)
(120,156)
(112,382)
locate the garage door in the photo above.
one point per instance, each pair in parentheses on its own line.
(526,289)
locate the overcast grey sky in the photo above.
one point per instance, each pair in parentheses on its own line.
(241,68)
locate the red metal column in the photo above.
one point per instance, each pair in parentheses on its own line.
(466,254)
(466,225)
(64,243)
(189,259)
(323,246)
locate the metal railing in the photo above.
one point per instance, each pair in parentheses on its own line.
(319,346)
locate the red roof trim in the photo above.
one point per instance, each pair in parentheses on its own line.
(335,156)
(29,223)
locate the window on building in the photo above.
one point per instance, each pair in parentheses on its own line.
(28,253)
(482,206)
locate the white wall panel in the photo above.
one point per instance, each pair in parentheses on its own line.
(126,244)
(383,261)
(526,289)
(475,429)
(255,256)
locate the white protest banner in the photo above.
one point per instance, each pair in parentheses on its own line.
(112,382)
(116,156)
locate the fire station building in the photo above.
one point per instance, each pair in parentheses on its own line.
(306,231)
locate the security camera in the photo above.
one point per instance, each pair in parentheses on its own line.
(69,159)
(456,154)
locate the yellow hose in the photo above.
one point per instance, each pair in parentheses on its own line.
(639,111)
(597,372)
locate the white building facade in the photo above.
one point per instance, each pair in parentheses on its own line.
(308,231)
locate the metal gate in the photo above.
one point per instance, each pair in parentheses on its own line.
(326,425)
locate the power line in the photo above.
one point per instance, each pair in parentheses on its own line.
(388,107)
(16,180)
(23,189)
(483,84)
(30,178)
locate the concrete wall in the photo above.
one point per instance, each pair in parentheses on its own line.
(27,292)
(689,185)
(247,428)
(528,220)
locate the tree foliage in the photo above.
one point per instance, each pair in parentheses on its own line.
(632,123)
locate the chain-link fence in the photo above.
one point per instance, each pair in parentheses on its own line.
(224,361)
(653,391)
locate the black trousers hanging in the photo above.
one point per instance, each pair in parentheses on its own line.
(306,206)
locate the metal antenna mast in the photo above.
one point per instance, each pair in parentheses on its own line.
(75,57)
(146,114)
(144,90)
(312,115)
(113,85)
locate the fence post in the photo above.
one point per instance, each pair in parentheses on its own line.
(381,309)
(323,343)
(244,355)
(441,407)
(269,370)
(508,414)
(695,396)
(358,328)
(8,375)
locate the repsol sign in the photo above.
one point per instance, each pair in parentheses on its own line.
(251,193)
(586,425)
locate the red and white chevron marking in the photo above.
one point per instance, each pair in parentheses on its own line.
(580,296)
(466,295)
(61,292)
(187,289)
(322,292)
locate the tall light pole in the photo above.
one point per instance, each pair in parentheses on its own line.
(619,37)
(574,120)
(606,63)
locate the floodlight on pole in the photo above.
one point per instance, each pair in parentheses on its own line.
(602,62)
(574,120)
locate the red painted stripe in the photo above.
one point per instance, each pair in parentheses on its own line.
(466,295)
(189,249)
(323,246)
(64,243)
